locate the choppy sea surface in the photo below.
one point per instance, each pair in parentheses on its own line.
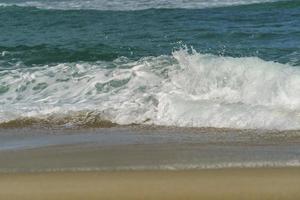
(198,63)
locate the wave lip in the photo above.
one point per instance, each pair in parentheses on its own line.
(128,4)
(187,89)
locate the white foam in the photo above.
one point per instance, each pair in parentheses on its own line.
(170,167)
(127,4)
(185,89)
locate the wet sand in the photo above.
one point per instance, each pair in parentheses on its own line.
(27,150)
(129,164)
(259,183)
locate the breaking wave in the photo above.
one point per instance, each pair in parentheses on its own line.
(186,89)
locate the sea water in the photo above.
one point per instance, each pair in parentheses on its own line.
(199,63)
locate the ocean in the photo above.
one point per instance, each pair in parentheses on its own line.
(199,63)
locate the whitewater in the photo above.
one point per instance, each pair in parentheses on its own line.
(185,89)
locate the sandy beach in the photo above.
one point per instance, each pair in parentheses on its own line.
(280,183)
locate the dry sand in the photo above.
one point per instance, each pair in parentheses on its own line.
(259,183)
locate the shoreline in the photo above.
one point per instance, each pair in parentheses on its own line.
(246,183)
(144,170)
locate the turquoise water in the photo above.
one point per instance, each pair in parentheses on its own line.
(34,36)
(200,63)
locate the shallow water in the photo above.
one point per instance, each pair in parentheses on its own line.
(136,148)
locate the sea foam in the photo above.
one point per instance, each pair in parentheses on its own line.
(186,89)
(127,4)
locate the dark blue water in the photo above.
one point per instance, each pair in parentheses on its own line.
(41,36)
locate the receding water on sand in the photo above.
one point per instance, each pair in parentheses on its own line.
(139,148)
